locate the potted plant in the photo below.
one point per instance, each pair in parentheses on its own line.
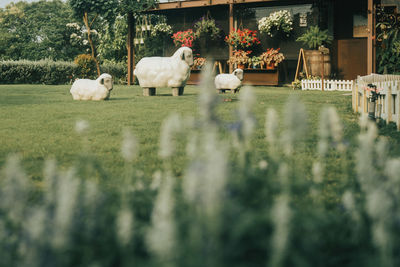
(255,62)
(314,38)
(184,38)
(239,58)
(243,39)
(271,58)
(277,23)
(198,63)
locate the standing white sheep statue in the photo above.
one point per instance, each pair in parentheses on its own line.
(229,81)
(174,71)
(86,89)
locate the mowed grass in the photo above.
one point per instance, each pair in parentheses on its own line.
(38,122)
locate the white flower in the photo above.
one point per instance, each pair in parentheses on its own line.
(81,126)
(161,237)
(124,225)
(169,129)
(129,146)
(74,25)
(263,164)
(161,28)
(276,22)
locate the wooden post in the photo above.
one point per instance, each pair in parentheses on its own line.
(354,97)
(323,71)
(398,109)
(230,29)
(371,32)
(131,49)
(389,106)
(365,101)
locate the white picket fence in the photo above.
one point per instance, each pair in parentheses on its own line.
(388,102)
(329,85)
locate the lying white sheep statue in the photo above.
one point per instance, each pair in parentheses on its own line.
(229,81)
(99,89)
(171,71)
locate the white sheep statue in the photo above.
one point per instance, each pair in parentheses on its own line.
(231,81)
(171,71)
(86,89)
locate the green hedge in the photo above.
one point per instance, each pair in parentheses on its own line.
(117,70)
(50,72)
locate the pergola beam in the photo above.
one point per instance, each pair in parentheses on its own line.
(202,3)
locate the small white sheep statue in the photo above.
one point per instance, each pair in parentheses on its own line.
(231,81)
(171,71)
(86,89)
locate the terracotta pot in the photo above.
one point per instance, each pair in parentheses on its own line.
(270,66)
(240,66)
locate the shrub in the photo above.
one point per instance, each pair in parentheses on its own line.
(117,70)
(37,72)
(86,66)
(51,72)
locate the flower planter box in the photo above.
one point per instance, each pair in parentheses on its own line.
(194,77)
(251,77)
(261,77)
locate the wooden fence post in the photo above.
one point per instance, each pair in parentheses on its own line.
(389,104)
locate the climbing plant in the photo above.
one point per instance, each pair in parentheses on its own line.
(388,41)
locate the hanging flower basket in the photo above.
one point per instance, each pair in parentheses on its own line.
(184,38)
(206,28)
(242,38)
(161,29)
(279,22)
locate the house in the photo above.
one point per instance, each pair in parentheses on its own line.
(351,23)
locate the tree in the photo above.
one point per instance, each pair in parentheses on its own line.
(36,31)
(112,45)
(89,11)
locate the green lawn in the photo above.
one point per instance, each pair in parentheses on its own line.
(214,212)
(37,122)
